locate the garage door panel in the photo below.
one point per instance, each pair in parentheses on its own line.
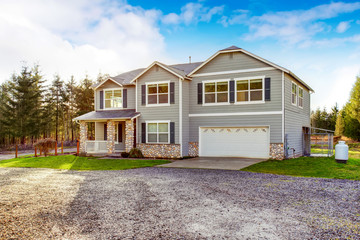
(235,142)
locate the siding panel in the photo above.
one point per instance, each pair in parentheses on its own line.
(157,74)
(273,105)
(295,118)
(238,61)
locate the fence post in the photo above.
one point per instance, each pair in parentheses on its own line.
(35,152)
(77,147)
(16,151)
(62,147)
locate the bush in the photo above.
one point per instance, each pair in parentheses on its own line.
(45,145)
(135,153)
(124,154)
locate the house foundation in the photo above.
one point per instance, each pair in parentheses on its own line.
(277,151)
(160,150)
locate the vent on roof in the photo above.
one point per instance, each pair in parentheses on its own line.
(189,59)
(157,68)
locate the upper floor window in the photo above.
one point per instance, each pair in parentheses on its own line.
(158,132)
(249,90)
(158,93)
(113,98)
(293,93)
(301,97)
(216,92)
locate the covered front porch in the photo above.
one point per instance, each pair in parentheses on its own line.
(107,132)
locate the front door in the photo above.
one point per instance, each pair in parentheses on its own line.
(120,137)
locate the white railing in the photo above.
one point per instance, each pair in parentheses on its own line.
(95,146)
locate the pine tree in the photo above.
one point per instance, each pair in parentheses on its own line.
(354,107)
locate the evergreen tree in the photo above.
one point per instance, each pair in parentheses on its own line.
(354,107)
(71,90)
(22,101)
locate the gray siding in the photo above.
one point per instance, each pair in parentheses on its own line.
(295,117)
(274,121)
(273,105)
(110,84)
(224,62)
(185,116)
(157,74)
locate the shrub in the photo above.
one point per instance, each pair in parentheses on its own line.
(135,153)
(124,154)
(45,145)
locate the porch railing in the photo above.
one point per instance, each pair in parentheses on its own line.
(95,146)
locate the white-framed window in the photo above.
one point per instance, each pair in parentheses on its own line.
(158,93)
(216,92)
(158,132)
(113,98)
(301,97)
(294,93)
(249,90)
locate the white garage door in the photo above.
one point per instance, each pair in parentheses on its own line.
(251,142)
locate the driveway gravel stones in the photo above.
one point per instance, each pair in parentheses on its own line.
(168,203)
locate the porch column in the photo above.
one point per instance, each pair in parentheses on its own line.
(110,144)
(83,136)
(129,135)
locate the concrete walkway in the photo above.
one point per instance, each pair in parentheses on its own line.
(224,163)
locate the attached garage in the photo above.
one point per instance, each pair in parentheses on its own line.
(251,142)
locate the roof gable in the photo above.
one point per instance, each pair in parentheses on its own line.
(105,81)
(171,70)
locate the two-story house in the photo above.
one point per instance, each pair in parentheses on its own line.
(234,104)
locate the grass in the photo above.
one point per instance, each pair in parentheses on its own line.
(322,167)
(71,162)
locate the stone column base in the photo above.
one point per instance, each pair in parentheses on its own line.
(193,149)
(277,151)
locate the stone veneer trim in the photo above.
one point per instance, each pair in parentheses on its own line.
(277,151)
(160,150)
(193,149)
(83,136)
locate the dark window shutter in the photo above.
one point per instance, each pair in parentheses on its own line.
(101,99)
(172,132)
(105,131)
(267,89)
(200,93)
(143,132)
(172,92)
(125,98)
(119,133)
(143,94)
(232,91)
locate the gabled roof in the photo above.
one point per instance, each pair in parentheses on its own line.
(177,70)
(237,49)
(95,86)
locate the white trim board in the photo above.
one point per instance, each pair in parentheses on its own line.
(180,116)
(233,71)
(235,114)
(104,81)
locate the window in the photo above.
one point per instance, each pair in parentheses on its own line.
(301,97)
(216,92)
(293,93)
(158,132)
(113,98)
(249,90)
(158,93)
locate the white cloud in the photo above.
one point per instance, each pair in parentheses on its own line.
(299,25)
(78,37)
(192,13)
(343,26)
(239,17)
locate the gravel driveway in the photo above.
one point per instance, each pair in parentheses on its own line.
(167,203)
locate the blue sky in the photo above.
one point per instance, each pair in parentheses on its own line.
(317,40)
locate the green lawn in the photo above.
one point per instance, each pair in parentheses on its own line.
(322,167)
(72,162)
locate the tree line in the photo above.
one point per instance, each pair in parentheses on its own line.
(32,108)
(345,122)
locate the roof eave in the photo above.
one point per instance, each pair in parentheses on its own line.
(160,65)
